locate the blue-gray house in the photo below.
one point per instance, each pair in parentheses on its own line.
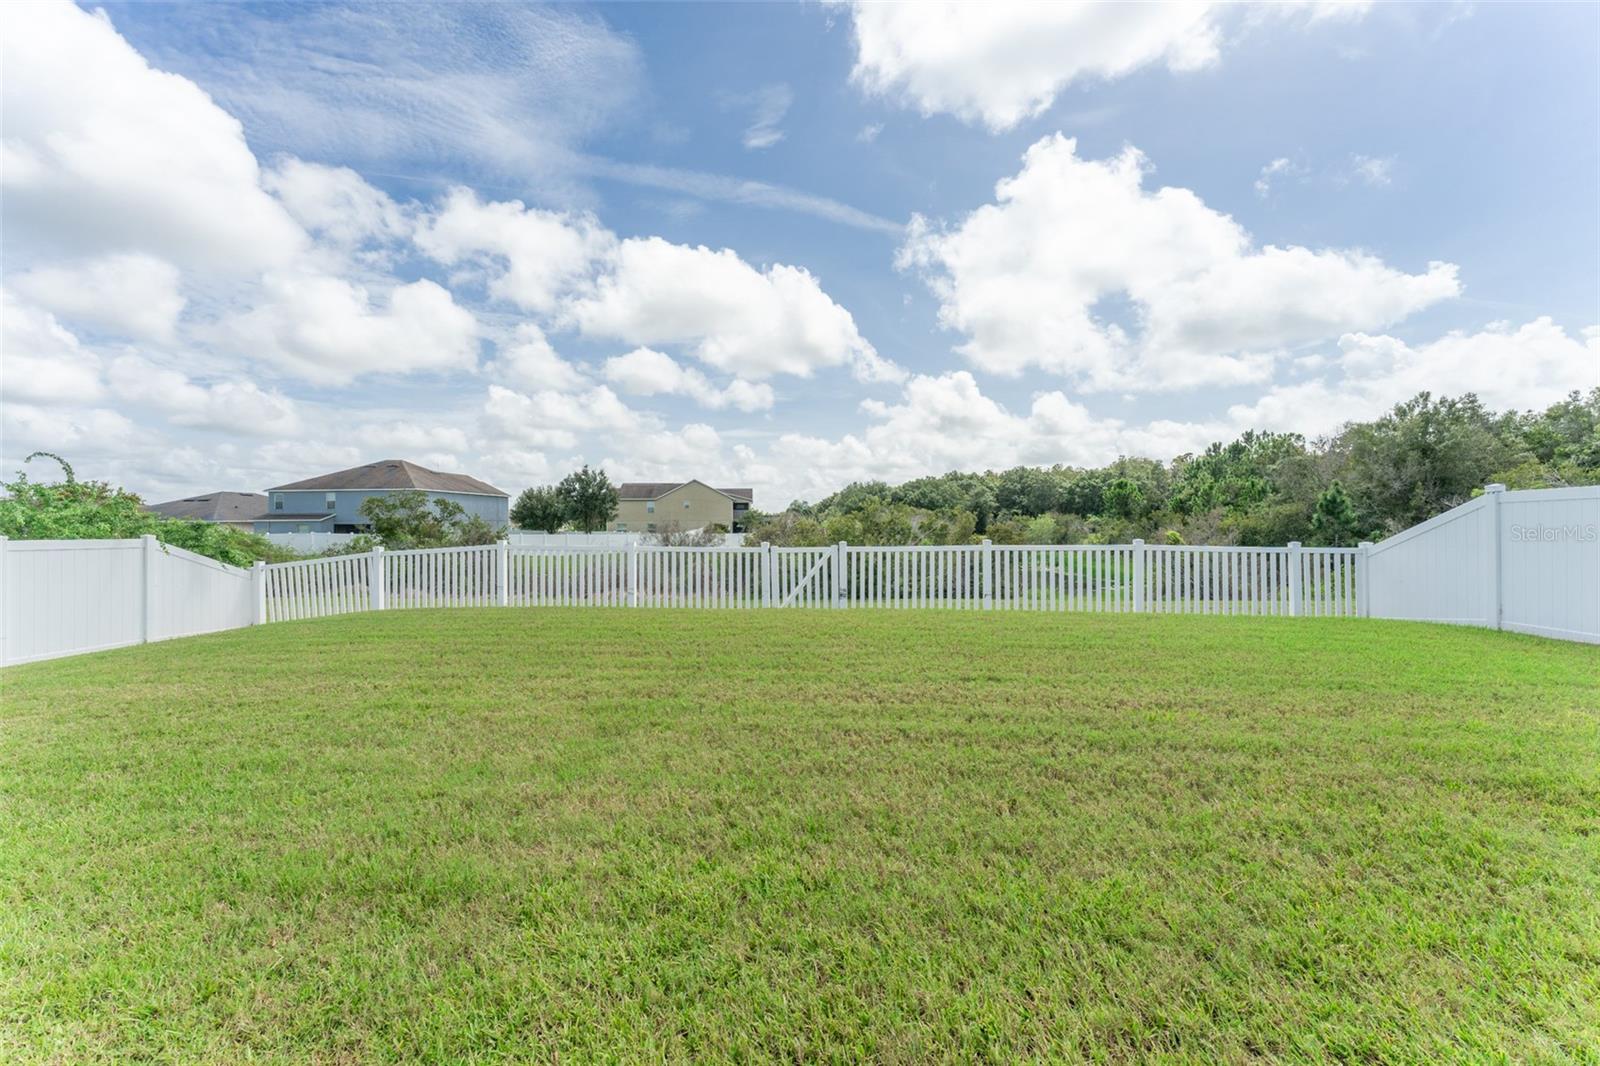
(331,503)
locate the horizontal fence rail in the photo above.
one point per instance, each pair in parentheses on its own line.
(1165,579)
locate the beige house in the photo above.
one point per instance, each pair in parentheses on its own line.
(657,506)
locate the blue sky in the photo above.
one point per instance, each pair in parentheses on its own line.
(764,244)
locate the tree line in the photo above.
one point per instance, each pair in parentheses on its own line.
(1365,482)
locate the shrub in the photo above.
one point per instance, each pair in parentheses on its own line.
(96,510)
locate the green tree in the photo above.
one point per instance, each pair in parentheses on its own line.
(539,509)
(1027,490)
(1424,457)
(589,498)
(408,519)
(1335,517)
(1124,498)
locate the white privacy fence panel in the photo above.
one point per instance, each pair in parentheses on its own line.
(67,597)
(190,594)
(309,543)
(1550,562)
(1527,561)
(1434,572)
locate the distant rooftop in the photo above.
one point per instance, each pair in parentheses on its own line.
(393,474)
(654,490)
(215,507)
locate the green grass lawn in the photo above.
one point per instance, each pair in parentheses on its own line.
(563,835)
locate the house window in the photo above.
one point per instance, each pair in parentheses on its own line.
(650,506)
(622,527)
(685,505)
(651,528)
(330,501)
(277,501)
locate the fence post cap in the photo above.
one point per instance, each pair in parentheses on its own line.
(1365,544)
(1494,486)
(1294,544)
(147,536)
(260,565)
(766,544)
(987,541)
(376,548)
(1138,542)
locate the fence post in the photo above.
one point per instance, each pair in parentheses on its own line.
(5,634)
(840,575)
(766,574)
(1492,542)
(258,584)
(633,573)
(1295,592)
(1364,579)
(502,573)
(1138,574)
(151,547)
(377,587)
(988,574)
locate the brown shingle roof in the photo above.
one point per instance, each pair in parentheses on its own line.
(654,490)
(394,474)
(215,507)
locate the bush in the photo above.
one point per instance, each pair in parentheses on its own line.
(96,510)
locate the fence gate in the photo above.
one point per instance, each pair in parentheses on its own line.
(804,577)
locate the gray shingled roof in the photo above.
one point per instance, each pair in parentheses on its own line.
(215,507)
(654,490)
(394,474)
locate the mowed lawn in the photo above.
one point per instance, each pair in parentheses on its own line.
(569,835)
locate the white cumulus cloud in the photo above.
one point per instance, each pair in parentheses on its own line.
(104,153)
(729,315)
(1078,269)
(43,363)
(130,294)
(329,330)
(646,372)
(999,63)
(230,406)
(536,257)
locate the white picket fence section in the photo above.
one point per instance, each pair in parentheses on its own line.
(1526,560)
(1113,578)
(66,597)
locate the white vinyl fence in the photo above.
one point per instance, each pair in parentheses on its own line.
(65,597)
(1115,578)
(1526,560)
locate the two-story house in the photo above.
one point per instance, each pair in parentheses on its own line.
(331,503)
(653,506)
